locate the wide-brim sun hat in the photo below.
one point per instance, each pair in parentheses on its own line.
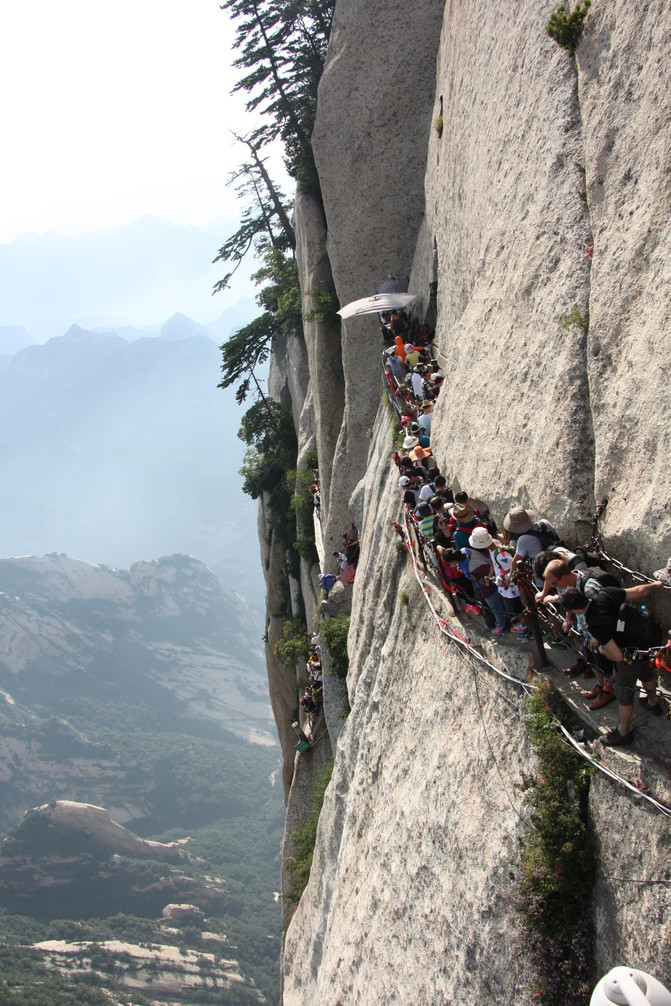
(410,442)
(518,520)
(463,512)
(481,538)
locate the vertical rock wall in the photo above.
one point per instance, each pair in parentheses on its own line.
(370,137)
(510,228)
(540,158)
(625,101)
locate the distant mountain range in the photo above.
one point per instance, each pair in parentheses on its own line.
(134,714)
(179,326)
(113,450)
(166,635)
(133,275)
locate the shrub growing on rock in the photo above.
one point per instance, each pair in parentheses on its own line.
(553,892)
(303,840)
(333,633)
(294,646)
(566,28)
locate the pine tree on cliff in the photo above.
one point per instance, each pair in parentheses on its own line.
(283,45)
(265,217)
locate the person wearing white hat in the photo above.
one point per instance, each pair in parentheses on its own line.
(482,567)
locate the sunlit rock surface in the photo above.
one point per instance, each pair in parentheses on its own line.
(541,212)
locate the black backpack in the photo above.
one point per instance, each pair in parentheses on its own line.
(583,554)
(637,629)
(546,534)
(600,575)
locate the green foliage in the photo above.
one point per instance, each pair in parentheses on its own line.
(303,503)
(244,351)
(438,125)
(282,296)
(345,711)
(303,840)
(294,646)
(282,46)
(327,305)
(268,430)
(404,598)
(265,218)
(25,981)
(556,873)
(566,28)
(189,776)
(575,317)
(333,633)
(249,347)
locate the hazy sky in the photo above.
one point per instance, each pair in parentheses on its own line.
(112,111)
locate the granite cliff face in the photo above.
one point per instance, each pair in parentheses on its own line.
(556,396)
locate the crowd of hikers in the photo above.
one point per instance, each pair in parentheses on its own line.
(502,574)
(311,699)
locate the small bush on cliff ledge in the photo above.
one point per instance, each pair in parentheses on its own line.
(566,28)
(552,897)
(303,840)
(294,646)
(333,632)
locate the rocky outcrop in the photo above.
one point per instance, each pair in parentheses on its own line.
(98,825)
(169,623)
(555,394)
(182,914)
(164,972)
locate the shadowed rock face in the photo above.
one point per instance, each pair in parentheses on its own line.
(409,891)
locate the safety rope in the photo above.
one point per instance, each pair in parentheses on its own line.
(661,807)
(655,653)
(597,544)
(443,625)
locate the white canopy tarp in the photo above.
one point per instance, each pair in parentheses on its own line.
(378,302)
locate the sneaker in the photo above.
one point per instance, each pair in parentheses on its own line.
(602,700)
(557,643)
(578,668)
(592,693)
(498,632)
(518,627)
(614,739)
(656,710)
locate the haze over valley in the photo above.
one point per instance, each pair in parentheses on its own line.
(138,755)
